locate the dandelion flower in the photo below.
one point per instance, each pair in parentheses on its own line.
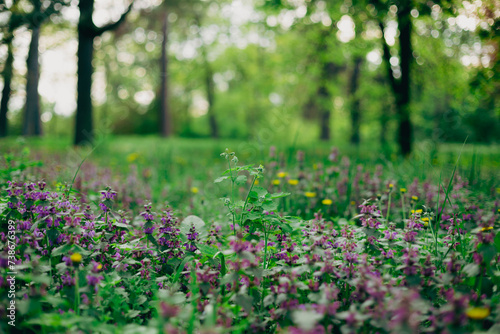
(282,175)
(426,221)
(327,201)
(477,313)
(416,211)
(76,258)
(415,198)
(310,194)
(487,228)
(276,182)
(194,190)
(403,190)
(293,182)
(132,157)
(391,186)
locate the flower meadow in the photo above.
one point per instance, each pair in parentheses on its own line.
(327,248)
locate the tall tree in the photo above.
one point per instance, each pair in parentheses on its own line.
(7,73)
(355,100)
(32,125)
(87,32)
(165,115)
(400,84)
(329,70)
(209,84)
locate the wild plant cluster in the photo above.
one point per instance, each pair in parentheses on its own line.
(308,250)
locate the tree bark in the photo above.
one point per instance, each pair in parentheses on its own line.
(87,31)
(165,117)
(7,89)
(406,57)
(84,127)
(209,87)
(32,124)
(209,84)
(401,87)
(324,111)
(355,101)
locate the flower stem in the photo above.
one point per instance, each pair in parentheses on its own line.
(246,200)
(77,294)
(403,206)
(388,207)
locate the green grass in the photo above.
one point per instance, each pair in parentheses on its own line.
(174,164)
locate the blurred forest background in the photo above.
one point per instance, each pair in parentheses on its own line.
(382,72)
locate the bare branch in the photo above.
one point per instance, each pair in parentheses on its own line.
(112,26)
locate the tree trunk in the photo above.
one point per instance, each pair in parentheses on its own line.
(7,80)
(403,102)
(87,31)
(84,127)
(214,130)
(355,101)
(84,131)
(165,117)
(324,112)
(32,125)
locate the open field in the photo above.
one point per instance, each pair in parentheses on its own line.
(149,236)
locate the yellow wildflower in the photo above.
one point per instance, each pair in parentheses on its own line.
(415,198)
(256,182)
(276,182)
(310,194)
(426,221)
(99,266)
(282,174)
(391,186)
(403,190)
(327,201)
(76,258)
(194,190)
(416,211)
(487,228)
(293,182)
(477,313)
(132,157)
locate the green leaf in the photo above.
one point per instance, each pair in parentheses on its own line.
(306,320)
(61,250)
(286,228)
(244,301)
(241,179)
(132,314)
(222,263)
(497,241)
(471,269)
(53,234)
(181,268)
(195,221)
(488,251)
(207,250)
(152,239)
(279,195)
(257,192)
(220,179)
(270,206)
